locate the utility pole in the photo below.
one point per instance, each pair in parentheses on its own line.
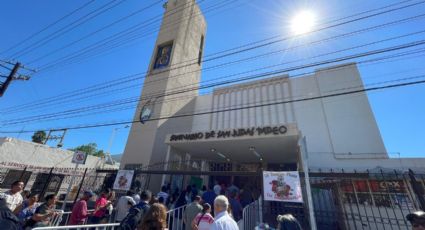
(56,137)
(4,85)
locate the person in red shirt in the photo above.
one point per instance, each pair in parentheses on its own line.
(100,208)
(79,211)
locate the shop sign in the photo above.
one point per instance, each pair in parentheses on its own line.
(223,134)
(282,186)
(377,186)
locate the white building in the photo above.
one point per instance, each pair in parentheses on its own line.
(340,132)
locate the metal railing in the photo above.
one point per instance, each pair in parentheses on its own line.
(175,218)
(55,221)
(112,226)
(64,218)
(251,215)
(174,221)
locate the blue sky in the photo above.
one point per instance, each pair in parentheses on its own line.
(399,112)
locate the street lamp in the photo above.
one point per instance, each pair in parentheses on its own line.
(108,158)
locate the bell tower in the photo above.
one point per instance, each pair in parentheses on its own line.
(175,66)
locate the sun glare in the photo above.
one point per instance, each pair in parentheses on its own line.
(303,22)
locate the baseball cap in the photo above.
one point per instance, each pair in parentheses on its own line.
(416,215)
(89,193)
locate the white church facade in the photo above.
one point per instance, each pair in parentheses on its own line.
(280,123)
(261,121)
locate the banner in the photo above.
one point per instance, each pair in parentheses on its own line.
(79,157)
(123,180)
(282,186)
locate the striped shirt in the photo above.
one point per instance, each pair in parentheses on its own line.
(205,221)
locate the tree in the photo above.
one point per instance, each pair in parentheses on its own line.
(39,137)
(90,149)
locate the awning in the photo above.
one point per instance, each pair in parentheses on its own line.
(272,144)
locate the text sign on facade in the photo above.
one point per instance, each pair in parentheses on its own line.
(79,157)
(282,186)
(223,134)
(123,180)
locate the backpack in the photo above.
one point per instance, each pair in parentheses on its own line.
(134,216)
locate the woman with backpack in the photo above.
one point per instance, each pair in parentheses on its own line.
(203,220)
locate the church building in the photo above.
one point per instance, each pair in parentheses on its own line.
(253,122)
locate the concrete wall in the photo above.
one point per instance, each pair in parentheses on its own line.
(183,24)
(250,94)
(29,153)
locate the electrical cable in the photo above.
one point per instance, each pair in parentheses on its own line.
(391,86)
(117,42)
(94,32)
(292,37)
(221,77)
(269,73)
(47,27)
(135,78)
(65,29)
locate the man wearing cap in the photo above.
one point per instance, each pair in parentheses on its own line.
(79,211)
(417,219)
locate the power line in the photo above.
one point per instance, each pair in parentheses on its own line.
(287,38)
(66,28)
(237,80)
(170,101)
(266,67)
(96,31)
(256,76)
(135,76)
(47,27)
(297,75)
(22,66)
(115,38)
(236,49)
(237,108)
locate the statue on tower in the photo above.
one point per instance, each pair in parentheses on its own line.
(163,56)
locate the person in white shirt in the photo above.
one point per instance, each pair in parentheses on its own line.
(223,221)
(13,197)
(136,197)
(123,205)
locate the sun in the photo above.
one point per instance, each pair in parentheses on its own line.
(303,22)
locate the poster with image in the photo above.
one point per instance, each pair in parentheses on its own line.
(79,157)
(282,186)
(123,180)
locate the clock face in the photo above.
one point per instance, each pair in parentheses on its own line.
(163,55)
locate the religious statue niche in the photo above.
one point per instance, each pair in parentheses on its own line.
(163,55)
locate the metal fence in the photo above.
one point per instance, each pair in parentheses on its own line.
(352,200)
(370,200)
(175,218)
(112,226)
(378,199)
(251,215)
(44,181)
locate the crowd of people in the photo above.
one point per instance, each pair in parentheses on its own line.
(214,208)
(25,212)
